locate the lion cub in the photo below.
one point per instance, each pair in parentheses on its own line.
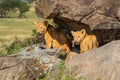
(54,37)
(86,42)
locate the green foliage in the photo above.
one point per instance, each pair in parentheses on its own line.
(34,32)
(23,7)
(98,79)
(9,7)
(27,42)
(30,1)
(14,47)
(3,49)
(8,4)
(61,68)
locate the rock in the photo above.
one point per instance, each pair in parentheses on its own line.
(10,68)
(98,14)
(103,63)
(101,16)
(31,63)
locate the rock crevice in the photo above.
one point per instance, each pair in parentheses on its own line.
(100,15)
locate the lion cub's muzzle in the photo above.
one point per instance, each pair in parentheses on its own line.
(76,43)
(39,33)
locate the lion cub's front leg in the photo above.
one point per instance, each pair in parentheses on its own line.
(89,43)
(48,40)
(48,44)
(82,48)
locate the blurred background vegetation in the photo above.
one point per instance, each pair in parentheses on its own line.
(16,21)
(8,8)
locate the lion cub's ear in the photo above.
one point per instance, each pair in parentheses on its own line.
(46,23)
(72,32)
(35,22)
(83,31)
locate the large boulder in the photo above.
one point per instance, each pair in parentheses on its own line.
(101,16)
(103,63)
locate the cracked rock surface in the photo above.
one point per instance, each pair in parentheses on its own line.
(99,17)
(103,14)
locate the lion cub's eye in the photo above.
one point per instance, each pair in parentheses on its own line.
(78,36)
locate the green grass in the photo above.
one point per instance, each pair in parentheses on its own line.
(10,28)
(17,27)
(21,26)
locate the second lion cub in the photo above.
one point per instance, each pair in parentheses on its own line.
(86,42)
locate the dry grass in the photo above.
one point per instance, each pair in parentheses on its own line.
(16,27)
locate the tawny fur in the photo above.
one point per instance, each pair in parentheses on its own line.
(53,37)
(86,42)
